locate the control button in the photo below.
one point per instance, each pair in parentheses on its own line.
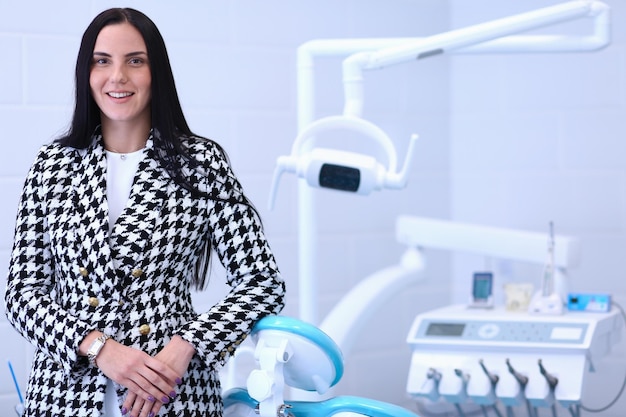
(488,331)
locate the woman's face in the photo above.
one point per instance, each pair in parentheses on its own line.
(120,76)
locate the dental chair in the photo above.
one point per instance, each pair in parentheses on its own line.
(299,355)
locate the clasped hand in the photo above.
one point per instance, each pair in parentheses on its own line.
(151,381)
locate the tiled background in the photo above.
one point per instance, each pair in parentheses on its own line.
(506,140)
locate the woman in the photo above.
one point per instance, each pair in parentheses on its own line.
(116,225)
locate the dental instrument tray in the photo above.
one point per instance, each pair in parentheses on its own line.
(481,343)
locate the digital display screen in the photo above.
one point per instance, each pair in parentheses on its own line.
(566,333)
(482,285)
(340,177)
(445,329)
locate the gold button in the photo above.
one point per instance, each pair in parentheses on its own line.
(144,329)
(137,272)
(83,271)
(93,301)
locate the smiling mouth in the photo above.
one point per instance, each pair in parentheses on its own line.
(119,95)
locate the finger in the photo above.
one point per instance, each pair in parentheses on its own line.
(164,371)
(141,390)
(151,410)
(137,407)
(127,406)
(137,397)
(155,385)
(145,408)
(142,408)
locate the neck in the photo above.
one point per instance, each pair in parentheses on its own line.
(125,137)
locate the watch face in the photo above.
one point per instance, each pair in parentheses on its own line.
(96,345)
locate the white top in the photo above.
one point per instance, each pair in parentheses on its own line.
(111,407)
(121,170)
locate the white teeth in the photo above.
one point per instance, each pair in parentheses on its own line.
(119,95)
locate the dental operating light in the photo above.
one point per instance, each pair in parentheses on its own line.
(358,173)
(343,170)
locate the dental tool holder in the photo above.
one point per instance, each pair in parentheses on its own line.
(311,369)
(484,356)
(266,384)
(293,353)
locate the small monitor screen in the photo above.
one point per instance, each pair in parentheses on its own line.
(445,329)
(482,285)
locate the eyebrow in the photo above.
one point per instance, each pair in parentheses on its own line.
(127,55)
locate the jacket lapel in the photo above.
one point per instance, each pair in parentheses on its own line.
(135,226)
(92,209)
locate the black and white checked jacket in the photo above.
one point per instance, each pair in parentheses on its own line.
(62,283)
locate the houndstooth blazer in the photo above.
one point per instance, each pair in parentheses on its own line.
(62,282)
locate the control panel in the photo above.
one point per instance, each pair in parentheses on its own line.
(484,356)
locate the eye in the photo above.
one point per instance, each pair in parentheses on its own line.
(136,61)
(100,61)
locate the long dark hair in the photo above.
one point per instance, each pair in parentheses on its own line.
(167,114)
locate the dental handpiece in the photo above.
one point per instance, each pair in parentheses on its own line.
(493,378)
(521,379)
(552,380)
(464,377)
(433,374)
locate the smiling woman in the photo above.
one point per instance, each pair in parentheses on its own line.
(120,82)
(108,249)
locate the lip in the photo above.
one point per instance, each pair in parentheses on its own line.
(119,95)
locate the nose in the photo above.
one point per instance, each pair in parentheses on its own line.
(118,74)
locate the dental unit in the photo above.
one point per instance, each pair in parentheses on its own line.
(463,360)
(472,359)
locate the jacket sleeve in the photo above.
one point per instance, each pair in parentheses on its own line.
(30,292)
(257,289)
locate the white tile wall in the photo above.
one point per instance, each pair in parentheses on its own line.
(539,137)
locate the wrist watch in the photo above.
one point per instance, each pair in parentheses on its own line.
(95,348)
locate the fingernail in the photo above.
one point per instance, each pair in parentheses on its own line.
(173,395)
(151,414)
(124,411)
(151,398)
(165,399)
(179,381)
